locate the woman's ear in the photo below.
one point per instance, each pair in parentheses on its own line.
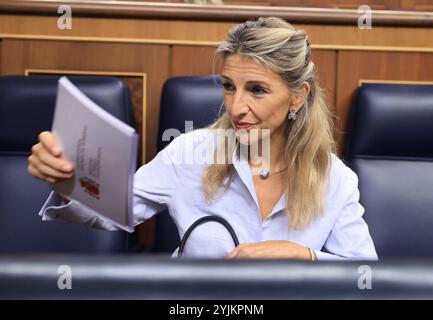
(298,100)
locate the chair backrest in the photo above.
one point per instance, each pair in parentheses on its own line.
(390,147)
(26,109)
(196,99)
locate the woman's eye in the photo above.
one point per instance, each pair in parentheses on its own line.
(258,91)
(227,87)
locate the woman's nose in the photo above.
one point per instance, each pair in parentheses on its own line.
(239,105)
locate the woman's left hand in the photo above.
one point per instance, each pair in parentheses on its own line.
(275,249)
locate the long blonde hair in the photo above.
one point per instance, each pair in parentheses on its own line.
(284,49)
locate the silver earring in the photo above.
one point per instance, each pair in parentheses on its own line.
(291,115)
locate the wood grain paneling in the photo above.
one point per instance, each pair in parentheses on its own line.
(122,29)
(354,66)
(95,8)
(206,34)
(421,5)
(326,64)
(192,60)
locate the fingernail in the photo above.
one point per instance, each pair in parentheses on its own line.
(56,150)
(67,167)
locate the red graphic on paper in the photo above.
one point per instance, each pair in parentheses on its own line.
(90,186)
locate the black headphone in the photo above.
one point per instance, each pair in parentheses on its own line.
(205,219)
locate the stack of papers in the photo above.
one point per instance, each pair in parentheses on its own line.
(103,150)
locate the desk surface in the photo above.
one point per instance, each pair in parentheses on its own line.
(157,277)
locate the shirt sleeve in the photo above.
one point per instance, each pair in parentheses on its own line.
(349,238)
(156,182)
(154,186)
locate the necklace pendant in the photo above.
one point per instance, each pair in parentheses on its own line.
(264,173)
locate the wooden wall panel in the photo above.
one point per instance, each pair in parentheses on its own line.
(12,57)
(192,60)
(421,5)
(201,33)
(354,66)
(116,29)
(326,64)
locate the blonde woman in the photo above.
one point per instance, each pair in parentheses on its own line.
(305,205)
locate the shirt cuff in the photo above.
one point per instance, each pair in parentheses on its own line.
(54,209)
(324,256)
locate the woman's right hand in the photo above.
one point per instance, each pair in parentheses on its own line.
(46,161)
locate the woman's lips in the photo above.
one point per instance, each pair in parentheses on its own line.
(243,125)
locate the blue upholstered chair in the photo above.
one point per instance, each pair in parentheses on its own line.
(390,147)
(26,109)
(196,99)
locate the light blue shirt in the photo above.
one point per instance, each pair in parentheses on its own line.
(166,182)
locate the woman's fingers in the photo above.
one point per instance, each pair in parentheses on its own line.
(50,169)
(36,173)
(55,163)
(50,143)
(46,163)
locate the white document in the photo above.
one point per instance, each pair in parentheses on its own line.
(103,150)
